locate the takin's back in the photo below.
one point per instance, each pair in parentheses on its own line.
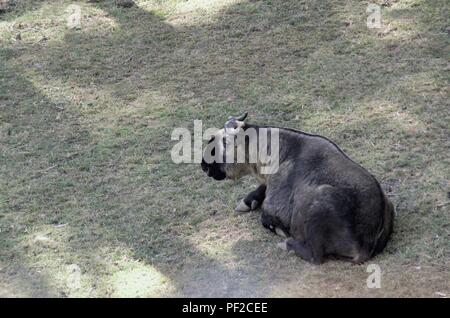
(316,161)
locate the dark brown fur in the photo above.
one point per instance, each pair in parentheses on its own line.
(324,202)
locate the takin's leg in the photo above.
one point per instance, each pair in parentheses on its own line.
(324,227)
(274,224)
(253,200)
(311,250)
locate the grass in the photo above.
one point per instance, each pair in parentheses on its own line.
(86,116)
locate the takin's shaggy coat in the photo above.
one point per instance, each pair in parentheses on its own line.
(323,202)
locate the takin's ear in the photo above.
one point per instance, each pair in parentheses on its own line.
(235,123)
(232,126)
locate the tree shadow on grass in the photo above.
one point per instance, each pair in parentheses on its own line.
(121,189)
(47,148)
(30,149)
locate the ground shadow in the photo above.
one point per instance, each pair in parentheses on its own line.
(253,55)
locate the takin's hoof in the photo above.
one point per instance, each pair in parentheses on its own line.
(242,207)
(283,245)
(280,232)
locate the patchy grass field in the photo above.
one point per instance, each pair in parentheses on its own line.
(90,202)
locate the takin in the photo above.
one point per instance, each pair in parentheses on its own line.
(318,199)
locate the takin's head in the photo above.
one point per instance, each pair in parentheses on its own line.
(220,157)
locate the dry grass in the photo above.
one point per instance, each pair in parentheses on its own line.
(86,116)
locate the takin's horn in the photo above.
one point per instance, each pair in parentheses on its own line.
(231,122)
(242,117)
